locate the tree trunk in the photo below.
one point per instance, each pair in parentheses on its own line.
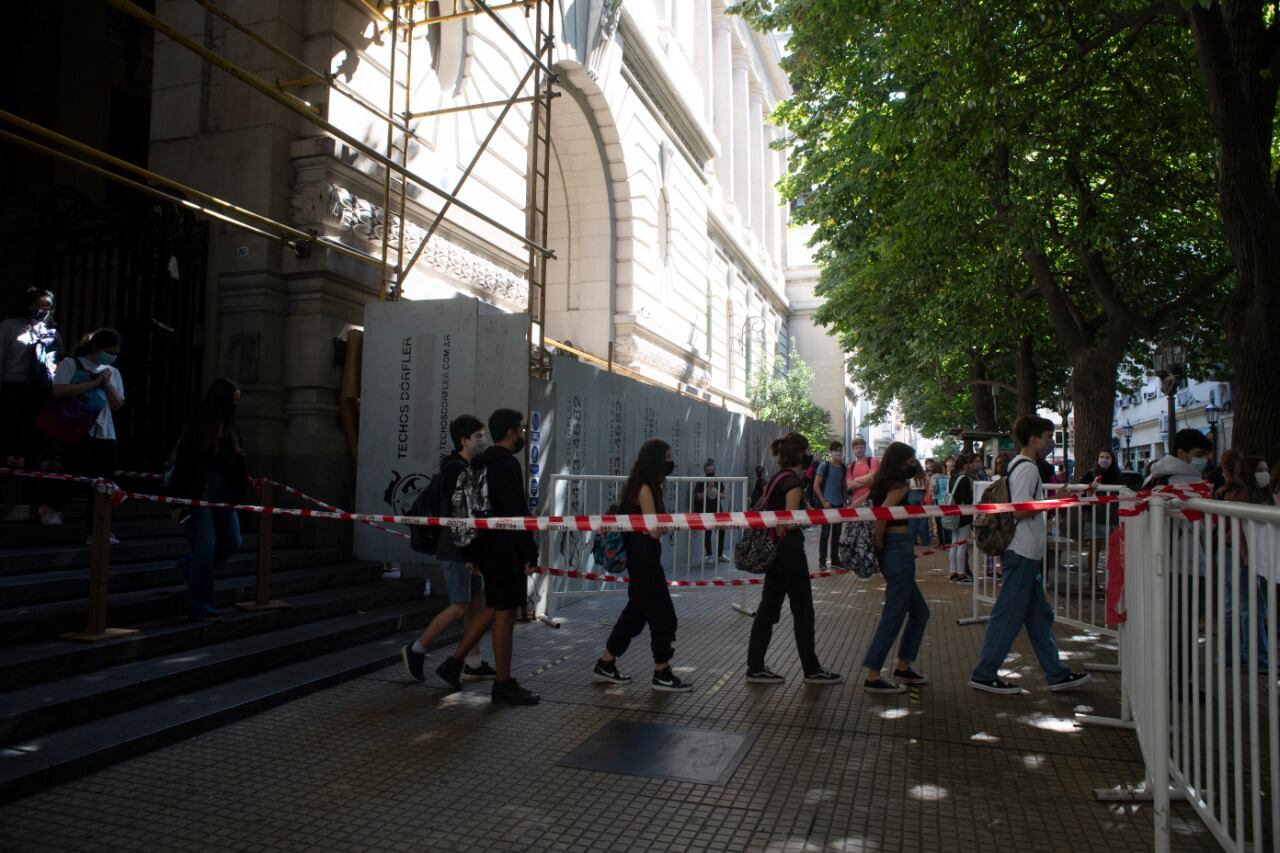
(984,412)
(1242,106)
(1028,380)
(1093,397)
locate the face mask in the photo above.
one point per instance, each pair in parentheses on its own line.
(1199,463)
(1262,478)
(668,468)
(519,445)
(106,359)
(1104,463)
(480,445)
(1047,450)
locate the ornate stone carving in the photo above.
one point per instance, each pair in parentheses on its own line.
(335,208)
(635,349)
(610,12)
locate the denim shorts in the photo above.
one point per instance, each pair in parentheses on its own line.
(463,586)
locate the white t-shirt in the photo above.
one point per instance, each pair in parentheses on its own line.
(1024,485)
(104,427)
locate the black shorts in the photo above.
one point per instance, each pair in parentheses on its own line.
(505,585)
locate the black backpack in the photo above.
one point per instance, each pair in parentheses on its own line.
(425,538)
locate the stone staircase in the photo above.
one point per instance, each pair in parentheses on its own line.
(67,708)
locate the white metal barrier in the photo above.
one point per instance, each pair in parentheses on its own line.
(1075,563)
(683,551)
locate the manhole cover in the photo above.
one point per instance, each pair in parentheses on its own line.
(662,752)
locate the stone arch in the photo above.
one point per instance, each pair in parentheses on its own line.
(589,216)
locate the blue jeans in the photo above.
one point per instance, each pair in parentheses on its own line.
(903,602)
(1259,628)
(460,583)
(214,535)
(1021,602)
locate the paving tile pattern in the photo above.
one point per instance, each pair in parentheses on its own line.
(382,763)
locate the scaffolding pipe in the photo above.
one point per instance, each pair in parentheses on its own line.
(267,89)
(536,57)
(397,288)
(435,224)
(483,106)
(386,172)
(467,13)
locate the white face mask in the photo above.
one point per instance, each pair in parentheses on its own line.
(1199,463)
(1104,462)
(1263,478)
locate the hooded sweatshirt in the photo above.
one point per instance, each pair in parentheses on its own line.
(1179,473)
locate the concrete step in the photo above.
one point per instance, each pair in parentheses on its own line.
(30,765)
(14,561)
(54,705)
(131,608)
(62,584)
(46,660)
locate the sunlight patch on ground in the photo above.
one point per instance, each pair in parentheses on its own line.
(1050,723)
(928,793)
(983,737)
(895,713)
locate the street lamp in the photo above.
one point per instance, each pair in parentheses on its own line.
(1169,360)
(1127,432)
(1064,406)
(1214,414)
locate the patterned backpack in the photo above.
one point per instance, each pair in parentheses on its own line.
(758,546)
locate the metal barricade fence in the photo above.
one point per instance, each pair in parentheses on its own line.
(683,551)
(1075,562)
(1223,752)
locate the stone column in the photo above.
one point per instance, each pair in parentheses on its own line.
(755,137)
(702,57)
(741,139)
(721,85)
(770,194)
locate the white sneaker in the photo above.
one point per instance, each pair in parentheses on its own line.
(49,517)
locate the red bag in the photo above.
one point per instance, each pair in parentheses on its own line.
(1117,613)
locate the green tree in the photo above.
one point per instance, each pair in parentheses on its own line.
(1007,161)
(781,392)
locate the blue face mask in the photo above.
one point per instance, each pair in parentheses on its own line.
(1199,463)
(106,359)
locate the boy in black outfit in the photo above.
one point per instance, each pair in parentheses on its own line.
(506,557)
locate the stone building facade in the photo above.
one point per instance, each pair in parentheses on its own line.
(672,254)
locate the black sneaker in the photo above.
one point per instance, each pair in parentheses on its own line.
(412,662)
(966,579)
(823,676)
(910,676)
(451,671)
(995,685)
(478,673)
(666,681)
(607,673)
(1072,681)
(510,693)
(764,676)
(880,685)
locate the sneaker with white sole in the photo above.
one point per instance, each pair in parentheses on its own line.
(412,662)
(764,676)
(995,685)
(1072,681)
(666,681)
(823,676)
(607,673)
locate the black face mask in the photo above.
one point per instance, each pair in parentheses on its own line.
(39,315)
(519,445)
(668,468)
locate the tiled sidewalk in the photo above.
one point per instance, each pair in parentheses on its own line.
(382,763)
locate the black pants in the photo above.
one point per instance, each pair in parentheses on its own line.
(789,578)
(706,540)
(648,603)
(830,535)
(91,457)
(21,405)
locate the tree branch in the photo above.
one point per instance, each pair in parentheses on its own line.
(1133,23)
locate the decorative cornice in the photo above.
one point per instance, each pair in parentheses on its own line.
(342,213)
(610,14)
(636,348)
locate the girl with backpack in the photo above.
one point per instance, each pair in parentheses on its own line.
(788,577)
(903,601)
(208,464)
(90,376)
(960,493)
(648,596)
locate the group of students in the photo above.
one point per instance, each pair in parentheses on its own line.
(486,580)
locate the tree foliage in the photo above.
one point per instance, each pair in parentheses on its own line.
(978,173)
(781,392)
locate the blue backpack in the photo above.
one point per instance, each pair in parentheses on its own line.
(610,550)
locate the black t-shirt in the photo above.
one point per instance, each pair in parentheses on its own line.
(792,542)
(642,549)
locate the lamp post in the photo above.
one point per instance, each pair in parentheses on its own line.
(1064,406)
(1127,432)
(1170,360)
(1213,414)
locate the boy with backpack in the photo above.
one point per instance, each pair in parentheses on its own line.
(505,557)
(828,485)
(462,577)
(1021,600)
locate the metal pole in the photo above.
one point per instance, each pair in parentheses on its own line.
(300,109)
(535,57)
(1157,602)
(386,171)
(467,13)
(262,594)
(398,287)
(99,568)
(1173,418)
